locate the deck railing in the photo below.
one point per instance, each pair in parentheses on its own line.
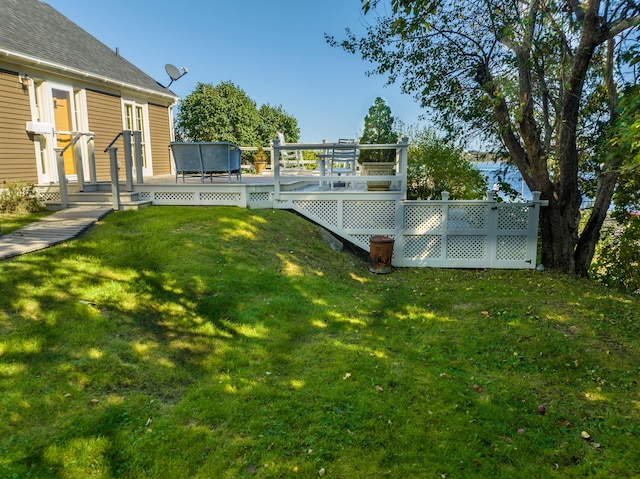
(77,151)
(283,174)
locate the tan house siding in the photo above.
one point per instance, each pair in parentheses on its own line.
(159,130)
(17,153)
(105,120)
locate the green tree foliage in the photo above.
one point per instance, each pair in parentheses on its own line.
(436,166)
(617,262)
(218,113)
(226,113)
(378,130)
(534,77)
(274,119)
(625,140)
(618,256)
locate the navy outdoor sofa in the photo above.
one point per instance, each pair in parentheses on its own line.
(206,158)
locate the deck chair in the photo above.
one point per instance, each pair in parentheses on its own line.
(289,158)
(343,161)
(187,160)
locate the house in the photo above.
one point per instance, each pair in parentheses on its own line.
(57,80)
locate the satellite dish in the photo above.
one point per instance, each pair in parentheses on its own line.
(174,72)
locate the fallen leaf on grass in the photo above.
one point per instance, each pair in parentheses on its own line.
(346,376)
(379,389)
(585,435)
(477,388)
(321,472)
(564,422)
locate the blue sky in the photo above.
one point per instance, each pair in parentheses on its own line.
(274,50)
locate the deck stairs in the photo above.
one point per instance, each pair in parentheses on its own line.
(98,194)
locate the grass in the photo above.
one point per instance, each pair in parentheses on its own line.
(179,342)
(12,222)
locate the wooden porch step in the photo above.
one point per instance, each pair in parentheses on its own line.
(53,229)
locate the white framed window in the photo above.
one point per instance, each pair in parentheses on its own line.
(135,116)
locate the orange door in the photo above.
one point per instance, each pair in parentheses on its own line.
(63,119)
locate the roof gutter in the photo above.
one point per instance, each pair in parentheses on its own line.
(56,68)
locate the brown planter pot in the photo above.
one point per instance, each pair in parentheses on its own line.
(378,169)
(380,254)
(260,166)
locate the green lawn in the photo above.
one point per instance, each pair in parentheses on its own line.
(178,342)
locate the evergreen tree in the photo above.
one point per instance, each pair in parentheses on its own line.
(378,129)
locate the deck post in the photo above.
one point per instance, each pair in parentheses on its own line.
(137,141)
(403,162)
(128,162)
(491,238)
(77,152)
(62,178)
(93,177)
(115,186)
(534,218)
(276,168)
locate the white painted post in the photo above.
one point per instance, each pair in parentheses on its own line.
(137,141)
(491,237)
(77,152)
(445,225)
(115,185)
(532,230)
(62,179)
(93,177)
(403,164)
(128,162)
(276,168)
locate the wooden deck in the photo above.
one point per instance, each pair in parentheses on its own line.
(56,228)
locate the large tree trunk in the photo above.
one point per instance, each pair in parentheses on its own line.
(559,235)
(607,181)
(589,237)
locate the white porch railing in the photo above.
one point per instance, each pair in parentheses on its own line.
(282,174)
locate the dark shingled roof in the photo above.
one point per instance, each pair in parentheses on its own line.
(33,28)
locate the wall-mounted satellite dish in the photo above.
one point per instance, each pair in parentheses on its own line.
(174,73)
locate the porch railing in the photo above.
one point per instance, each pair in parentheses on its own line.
(131,155)
(280,174)
(77,151)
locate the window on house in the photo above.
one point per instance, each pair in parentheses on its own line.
(134,119)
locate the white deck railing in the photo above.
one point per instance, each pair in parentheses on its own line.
(284,174)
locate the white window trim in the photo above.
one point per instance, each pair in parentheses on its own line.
(148,171)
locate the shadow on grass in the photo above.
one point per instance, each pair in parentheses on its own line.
(94,325)
(184,341)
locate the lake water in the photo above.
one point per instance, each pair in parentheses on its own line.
(512,176)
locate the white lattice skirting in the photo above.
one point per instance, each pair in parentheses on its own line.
(453,234)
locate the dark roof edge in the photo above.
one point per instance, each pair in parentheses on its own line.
(84,74)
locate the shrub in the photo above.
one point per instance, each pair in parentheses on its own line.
(617,262)
(435,166)
(19,198)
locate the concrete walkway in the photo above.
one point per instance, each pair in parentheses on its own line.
(56,228)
